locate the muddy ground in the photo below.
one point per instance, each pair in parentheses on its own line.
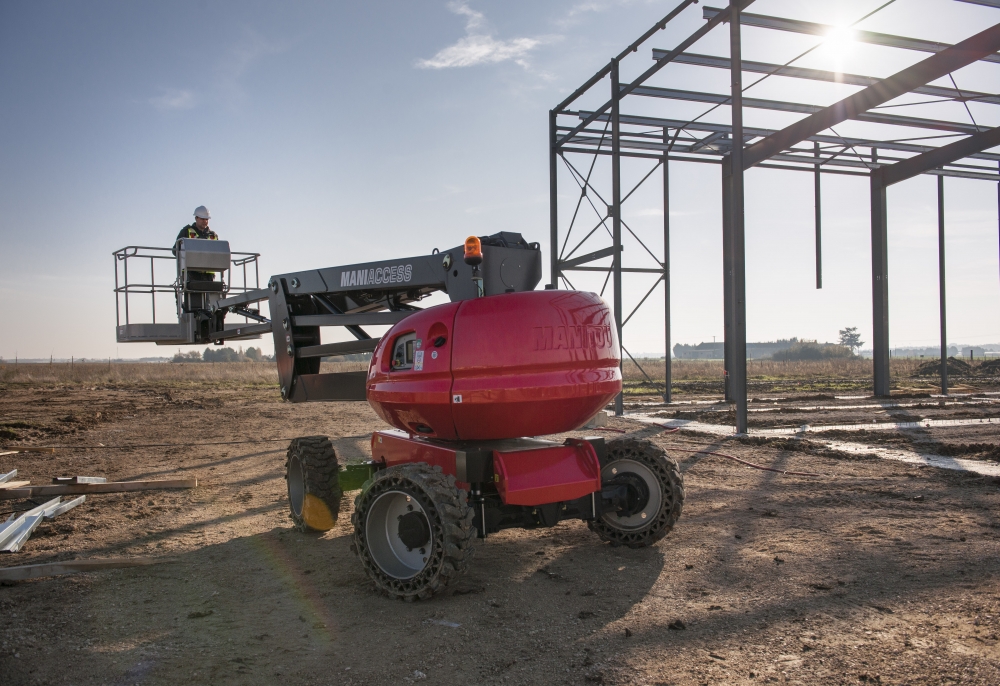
(876,572)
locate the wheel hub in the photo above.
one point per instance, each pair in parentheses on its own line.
(398,534)
(414,531)
(641,490)
(628,494)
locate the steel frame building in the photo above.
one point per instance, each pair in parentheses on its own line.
(809,145)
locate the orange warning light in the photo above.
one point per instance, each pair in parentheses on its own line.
(473,251)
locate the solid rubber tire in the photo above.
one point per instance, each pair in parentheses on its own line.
(672,494)
(320,472)
(450,519)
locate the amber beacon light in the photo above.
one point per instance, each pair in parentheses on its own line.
(473,251)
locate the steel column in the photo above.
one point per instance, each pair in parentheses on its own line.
(553,203)
(616,200)
(738,372)
(668,376)
(880,285)
(941,282)
(728,307)
(818,220)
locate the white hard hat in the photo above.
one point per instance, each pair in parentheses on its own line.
(202,212)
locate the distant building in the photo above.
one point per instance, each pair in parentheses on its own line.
(716,351)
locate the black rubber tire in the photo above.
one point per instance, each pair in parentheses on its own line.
(448,516)
(311,472)
(671,489)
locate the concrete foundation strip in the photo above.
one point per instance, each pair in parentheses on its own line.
(908,456)
(110,487)
(73,567)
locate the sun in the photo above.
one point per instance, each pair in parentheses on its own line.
(838,43)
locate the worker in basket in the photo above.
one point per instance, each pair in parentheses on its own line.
(197,229)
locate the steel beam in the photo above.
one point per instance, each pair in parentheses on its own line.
(970,50)
(616,218)
(584,259)
(817,220)
(553,203)
(738,372)
(753,132)
(940,156)
(812,28)
(880,285)
(668,364)
(728,308)
(592,81)
(823,75)
(366,345)
(685,44)
(802,108)
(984,3)
(941,288)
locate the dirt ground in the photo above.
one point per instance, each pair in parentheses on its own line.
(877,572)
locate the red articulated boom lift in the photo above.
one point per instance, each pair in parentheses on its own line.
(467,387)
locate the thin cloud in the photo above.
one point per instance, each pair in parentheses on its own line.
(173,99)
(477,46)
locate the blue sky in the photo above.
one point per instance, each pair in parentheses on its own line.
(329,133)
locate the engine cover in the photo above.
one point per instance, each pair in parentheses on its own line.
(503,366)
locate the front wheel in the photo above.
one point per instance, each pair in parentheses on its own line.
(652,491)
(413,530)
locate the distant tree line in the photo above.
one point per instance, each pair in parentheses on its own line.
(223,355)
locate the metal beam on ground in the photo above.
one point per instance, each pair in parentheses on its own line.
(823,75)
(934,67)
(812,28)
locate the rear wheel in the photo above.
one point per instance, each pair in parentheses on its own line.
(653,491)
(314,492)
(413,530)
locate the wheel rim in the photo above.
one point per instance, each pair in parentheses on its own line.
(296,486)
(646,515)
(386,541)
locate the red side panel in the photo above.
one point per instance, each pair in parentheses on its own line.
(547,475)
(412,398)
(392,449)
(533,363)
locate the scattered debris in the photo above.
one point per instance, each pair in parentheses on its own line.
(16,530)
(79,480)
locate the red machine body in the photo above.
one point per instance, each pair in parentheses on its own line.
(504,366)
(523,471)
